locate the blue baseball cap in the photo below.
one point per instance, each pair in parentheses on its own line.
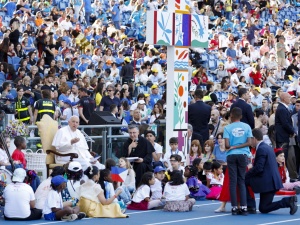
(9,97)
(67,101)
(158,169)
(58,180)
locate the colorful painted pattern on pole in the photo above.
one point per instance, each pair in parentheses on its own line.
(179,30)
(180,88)
(175,29)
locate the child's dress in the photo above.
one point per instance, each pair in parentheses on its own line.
(198,191)
(138,201)
(176,198)
(284,174)
(216,184)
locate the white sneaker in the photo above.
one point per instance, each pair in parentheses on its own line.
(69,218)
(219,210)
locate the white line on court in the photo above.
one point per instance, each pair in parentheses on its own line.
(196,218)
(58,221)
(283,221)
(148,211)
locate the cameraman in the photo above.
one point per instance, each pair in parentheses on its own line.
(7,104)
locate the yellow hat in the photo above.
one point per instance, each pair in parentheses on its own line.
(155,70)
(123,36)
(127,59)
(154,86)
(146,95)
(257,89)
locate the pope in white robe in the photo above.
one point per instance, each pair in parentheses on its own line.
(70,140)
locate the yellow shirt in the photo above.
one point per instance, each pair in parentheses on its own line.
(98,98)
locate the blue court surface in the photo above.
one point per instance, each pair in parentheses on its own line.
(203,213)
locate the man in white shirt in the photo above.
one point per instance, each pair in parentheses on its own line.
(73,97)
(66,24)
(234,79)
(257,98)
(70,140)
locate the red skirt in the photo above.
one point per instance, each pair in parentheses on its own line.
(225,193)
(143,205)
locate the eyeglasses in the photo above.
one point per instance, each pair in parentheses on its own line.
(109,90)
(173,160)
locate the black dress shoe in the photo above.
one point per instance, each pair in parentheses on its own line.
(243,212)
(251,210)
(293,205)
(235,211)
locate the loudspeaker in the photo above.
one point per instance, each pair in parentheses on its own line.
(103,118)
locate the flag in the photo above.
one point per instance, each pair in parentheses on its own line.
(118,174)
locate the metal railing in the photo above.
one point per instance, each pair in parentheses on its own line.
(103,142)
(106,142)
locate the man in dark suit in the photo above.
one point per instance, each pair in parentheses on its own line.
(247,114)
(284,124)
(264,178)
(199,115)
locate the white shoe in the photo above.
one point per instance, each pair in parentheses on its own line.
(69,218)
(220,210)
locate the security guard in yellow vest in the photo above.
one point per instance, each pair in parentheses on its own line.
(44,106)
(23,108)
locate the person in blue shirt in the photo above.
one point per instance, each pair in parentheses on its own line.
(219,149)
(10,7)
(82,65)
(87,6)
(154,96)
(115,14)
(230,52)
(237,141)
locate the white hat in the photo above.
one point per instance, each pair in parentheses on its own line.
(74,166)
(141,102)
(19,175)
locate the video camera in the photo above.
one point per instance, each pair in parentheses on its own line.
(8,108)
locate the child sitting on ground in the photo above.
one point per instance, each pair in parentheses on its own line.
(177,194)
(53,209)
(215,181)
(142,197)
(130,178)
(157,188)
(175,161)
(4,161)
(198,191)
(106,184)
(18,155)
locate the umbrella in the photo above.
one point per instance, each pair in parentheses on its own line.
(118,174)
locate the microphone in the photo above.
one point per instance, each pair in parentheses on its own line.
(133,149)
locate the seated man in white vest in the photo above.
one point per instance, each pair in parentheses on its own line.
(70,140)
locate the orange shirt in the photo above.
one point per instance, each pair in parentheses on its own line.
(39,22)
